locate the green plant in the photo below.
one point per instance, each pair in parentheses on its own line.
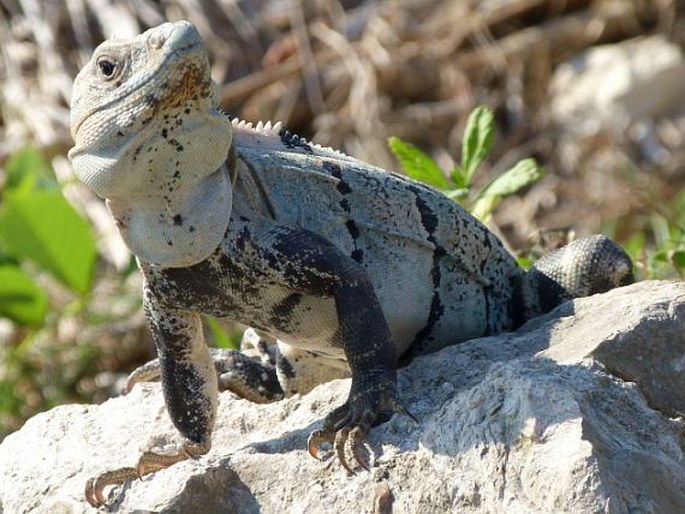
(39,232)
(220,337)
(458,183)
(657,243)
(47,263)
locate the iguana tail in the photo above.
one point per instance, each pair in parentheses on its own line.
(585,267)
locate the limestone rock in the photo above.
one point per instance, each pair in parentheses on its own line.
(620,84)
(575,412)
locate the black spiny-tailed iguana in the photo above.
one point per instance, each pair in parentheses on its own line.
(346,264)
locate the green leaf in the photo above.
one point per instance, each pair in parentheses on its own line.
(661,256)
(20,299)
(458,178)
(677,258)
(44,227)
(417,164)
(221,338)
(477,140)
(28,171)
(524,262)
(524,173)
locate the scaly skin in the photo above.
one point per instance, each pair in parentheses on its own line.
(347,265)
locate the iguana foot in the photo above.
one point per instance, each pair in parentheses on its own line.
(149,463)
(346,427)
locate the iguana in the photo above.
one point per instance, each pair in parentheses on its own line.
(347,265)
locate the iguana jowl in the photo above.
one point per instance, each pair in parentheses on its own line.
(344,263)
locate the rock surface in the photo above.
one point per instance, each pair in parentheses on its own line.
(575,412)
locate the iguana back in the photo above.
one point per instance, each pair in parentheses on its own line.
(440,275)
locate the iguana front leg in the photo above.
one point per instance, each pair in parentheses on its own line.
(190,392)
(370,353)
(310,264)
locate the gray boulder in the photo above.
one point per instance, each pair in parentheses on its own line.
(618,85)
(578,411)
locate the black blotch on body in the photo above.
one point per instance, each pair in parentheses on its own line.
(137,152)
(344,189)
(336,171)
(282,312)
(243,236)
(310,270)
(429,220)
(208,287)
(352,229)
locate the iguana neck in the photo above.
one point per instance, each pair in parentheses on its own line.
(167,187)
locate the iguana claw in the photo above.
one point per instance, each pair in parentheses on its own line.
(151,461)
(351,440)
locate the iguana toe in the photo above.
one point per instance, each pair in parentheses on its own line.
(346,441)
(351,441)
(95,487)
(340,447)
(317,438)
(151,461)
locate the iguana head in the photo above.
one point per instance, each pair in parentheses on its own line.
(150,139)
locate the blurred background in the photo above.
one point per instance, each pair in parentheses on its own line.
(594,90)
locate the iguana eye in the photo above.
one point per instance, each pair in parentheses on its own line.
(108,67)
